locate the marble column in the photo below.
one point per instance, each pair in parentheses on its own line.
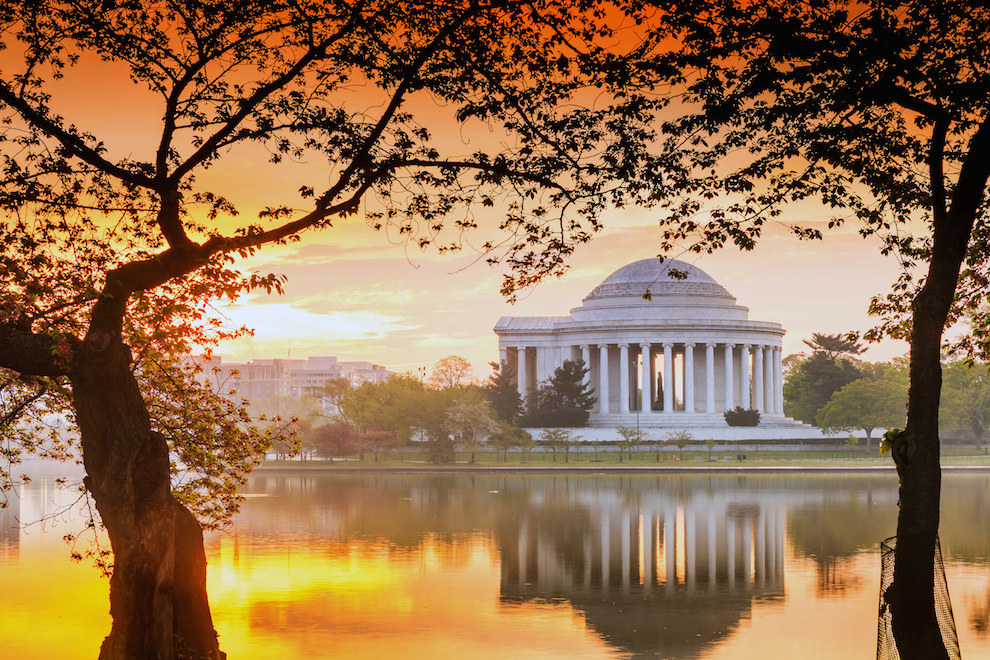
(647,391)
(758,377)
(769,381)
(778,369)
(521,372)
(668,378)
(603,378)
(689,377)
(503,356)
(709,378)
(586,358)
(729,394)
(747,402)
(623,377)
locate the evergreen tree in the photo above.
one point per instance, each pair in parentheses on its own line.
(567,387)
(502,393)
(833,345)
(812,383)
(564,400)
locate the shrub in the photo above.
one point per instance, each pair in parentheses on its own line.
(740,417)
(680,439)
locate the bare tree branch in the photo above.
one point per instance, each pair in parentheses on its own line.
(247,105)
(72,143)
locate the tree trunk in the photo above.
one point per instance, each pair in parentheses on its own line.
(158,597)
(916,451)
(916,455)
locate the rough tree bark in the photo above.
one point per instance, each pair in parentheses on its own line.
(158,594)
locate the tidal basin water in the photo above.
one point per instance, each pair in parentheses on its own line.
(474,565)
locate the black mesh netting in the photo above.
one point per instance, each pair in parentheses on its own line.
(886,648)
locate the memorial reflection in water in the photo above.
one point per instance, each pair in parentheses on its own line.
(526,566)
(656,567)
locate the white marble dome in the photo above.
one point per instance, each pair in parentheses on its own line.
(652,271)
(660,288)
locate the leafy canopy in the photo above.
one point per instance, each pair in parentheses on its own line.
(965,402)
(136,238)
(865,404)
(876,111)
(451,371)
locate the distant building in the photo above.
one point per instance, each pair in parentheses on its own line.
(259,379)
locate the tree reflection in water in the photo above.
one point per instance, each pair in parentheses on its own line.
(480,565)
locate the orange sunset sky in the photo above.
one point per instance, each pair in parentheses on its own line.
(350,293)
(357,294)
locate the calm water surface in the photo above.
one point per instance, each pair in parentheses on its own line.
(540,566)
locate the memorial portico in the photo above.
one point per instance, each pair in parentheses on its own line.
(662,350)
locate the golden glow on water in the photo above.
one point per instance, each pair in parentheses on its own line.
(525,567)
(301,599)
(50,607)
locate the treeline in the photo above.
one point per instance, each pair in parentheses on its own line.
(834,390)
(447,413)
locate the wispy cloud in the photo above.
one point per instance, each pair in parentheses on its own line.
(370,302)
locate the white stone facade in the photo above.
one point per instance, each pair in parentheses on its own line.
(663,351)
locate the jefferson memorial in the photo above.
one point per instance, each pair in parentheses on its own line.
(667,347)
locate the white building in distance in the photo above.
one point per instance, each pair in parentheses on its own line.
(259,379)
(667,346)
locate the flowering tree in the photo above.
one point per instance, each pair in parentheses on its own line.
(110,257)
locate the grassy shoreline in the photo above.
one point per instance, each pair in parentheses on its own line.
(754,461)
